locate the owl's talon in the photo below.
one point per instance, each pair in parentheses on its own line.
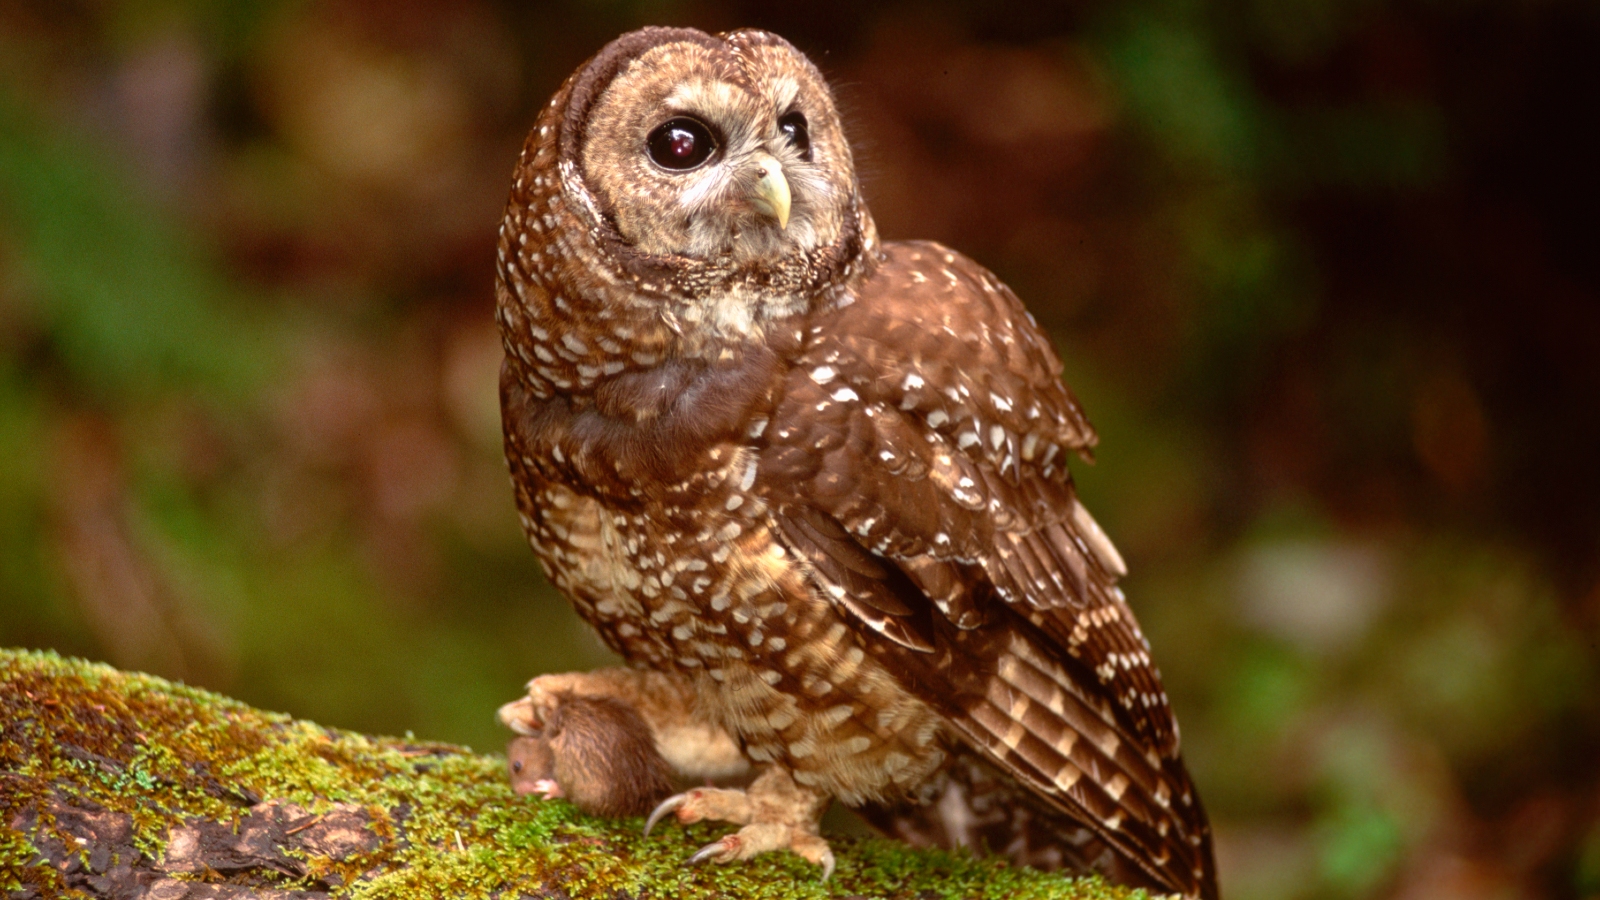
(520,716)
(776,814)
(763,837)
(721,850)
(668,805)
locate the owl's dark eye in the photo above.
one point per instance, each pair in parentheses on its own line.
(681,143)
(793,126)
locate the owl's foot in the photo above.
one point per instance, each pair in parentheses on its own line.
(527,715)
(761,837)
(776,813)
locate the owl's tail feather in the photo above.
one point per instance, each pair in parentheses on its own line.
(973,804)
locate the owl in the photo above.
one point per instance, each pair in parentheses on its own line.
(812,486)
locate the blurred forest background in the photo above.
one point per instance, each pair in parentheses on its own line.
(1325,274)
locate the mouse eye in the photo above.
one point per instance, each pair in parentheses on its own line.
(681,144)
(516,766)
(793,126)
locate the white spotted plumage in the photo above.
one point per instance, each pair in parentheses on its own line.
(818,479)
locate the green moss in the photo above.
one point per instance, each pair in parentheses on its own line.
(446,820)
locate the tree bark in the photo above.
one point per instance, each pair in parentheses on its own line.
(125,786)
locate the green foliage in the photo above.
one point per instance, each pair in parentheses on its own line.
(131,306)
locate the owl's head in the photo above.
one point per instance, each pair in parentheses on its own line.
(724,149)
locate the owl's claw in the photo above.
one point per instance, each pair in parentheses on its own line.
(762,837)
(668,805)
(520,716)
(721,850)
(775,812)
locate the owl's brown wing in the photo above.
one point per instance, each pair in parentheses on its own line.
(976,805)
(916,463)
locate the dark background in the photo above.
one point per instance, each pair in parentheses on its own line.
(1325,275)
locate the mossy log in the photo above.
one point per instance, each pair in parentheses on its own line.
(123,785)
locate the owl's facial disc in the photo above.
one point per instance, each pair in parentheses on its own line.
(732,157)
(684,143)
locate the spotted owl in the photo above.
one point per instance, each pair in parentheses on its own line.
(813,485)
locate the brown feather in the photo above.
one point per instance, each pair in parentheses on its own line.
(818,482)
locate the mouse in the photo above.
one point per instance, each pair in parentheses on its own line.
(595,751)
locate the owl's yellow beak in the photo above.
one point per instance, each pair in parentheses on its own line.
(771,195)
